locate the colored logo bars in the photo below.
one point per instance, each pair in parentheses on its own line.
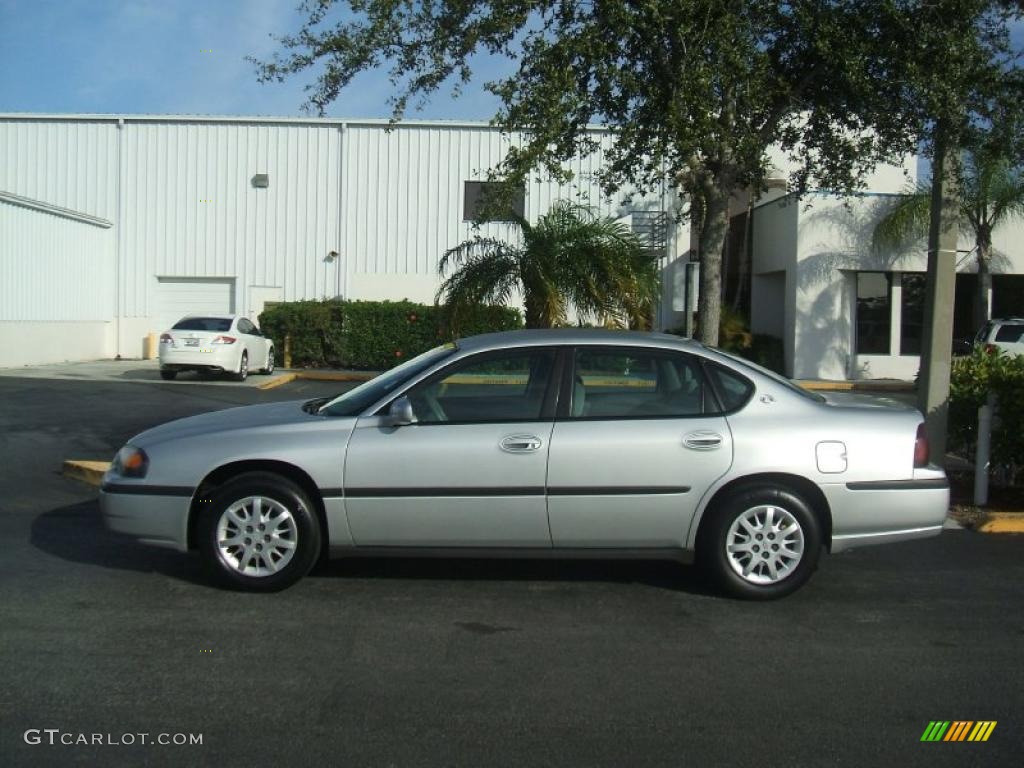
(958,730)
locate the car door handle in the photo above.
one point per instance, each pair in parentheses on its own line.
(520,444)
(703,441)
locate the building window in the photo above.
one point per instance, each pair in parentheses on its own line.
(492,201)
(874,314)
(911,312)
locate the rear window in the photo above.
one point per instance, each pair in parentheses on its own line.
(1011,333)
(217,324)
(733,390)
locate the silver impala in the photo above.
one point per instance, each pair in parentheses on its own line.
(537,443)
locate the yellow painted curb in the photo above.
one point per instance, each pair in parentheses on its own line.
(317,376)
(90,472)
(848,386)
(279,381)
(1002,522)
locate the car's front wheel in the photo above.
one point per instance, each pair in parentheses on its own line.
(269,369)
(259,532)
(168,375)
(761,543)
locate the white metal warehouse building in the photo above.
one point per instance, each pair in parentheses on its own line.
(112,227)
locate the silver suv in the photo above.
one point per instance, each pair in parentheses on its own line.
(1006,335)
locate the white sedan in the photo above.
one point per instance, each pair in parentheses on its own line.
(215,344)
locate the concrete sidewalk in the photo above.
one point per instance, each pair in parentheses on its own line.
(148,371)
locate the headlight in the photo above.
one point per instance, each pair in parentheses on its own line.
(131,462)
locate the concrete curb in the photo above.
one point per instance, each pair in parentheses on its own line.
(88,472)
(856,386)
(318,376)
(1002,522)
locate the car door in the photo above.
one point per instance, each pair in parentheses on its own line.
(638,442)
(470,471)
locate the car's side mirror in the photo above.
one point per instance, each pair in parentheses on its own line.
(400,413)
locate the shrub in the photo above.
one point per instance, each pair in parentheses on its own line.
(371,335)
(314,328)
(971,379)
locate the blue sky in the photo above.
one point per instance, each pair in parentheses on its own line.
(148,56)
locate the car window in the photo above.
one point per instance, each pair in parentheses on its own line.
(986,329)
(508,386)
(244,326)
(1010,333)
(357,400)
(733,390)
(215,324)
(634,384)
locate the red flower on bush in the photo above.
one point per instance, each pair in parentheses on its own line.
(412,317)
(398,353)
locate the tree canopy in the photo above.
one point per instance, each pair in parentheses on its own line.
(693,91)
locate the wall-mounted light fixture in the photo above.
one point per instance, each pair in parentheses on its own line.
(331,256)
(261,180)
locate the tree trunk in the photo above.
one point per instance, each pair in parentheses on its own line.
(982,307)
(712,239)
(534,314)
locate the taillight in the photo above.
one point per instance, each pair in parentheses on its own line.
(224,340)
(921,447)
(166,338)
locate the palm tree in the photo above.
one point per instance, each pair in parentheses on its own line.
(991,193)
(571,258)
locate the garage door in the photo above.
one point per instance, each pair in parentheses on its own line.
(178,296)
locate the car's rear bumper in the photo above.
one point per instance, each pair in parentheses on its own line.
(154,516)
(866,513)
(220,358)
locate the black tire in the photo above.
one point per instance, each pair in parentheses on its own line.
(270,363)
(276,493)
(168,375)
(714,540)
(243,368)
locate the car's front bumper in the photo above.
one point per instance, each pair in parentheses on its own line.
(865,513)
(152,515)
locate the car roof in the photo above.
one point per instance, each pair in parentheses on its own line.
(211,316)
(591,336)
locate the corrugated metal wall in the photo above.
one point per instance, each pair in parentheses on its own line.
(180,195)
(54,269)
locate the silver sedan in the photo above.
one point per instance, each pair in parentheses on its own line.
(537,443)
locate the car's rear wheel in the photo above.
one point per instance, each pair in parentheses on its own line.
(270,363)
(168,375)
(259,532)
(243,368)
(761,543)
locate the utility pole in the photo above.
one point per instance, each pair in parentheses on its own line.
(937,349)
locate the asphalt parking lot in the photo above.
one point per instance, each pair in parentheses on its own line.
(470,663)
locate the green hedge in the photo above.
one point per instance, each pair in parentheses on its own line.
(371,335)
(971,378)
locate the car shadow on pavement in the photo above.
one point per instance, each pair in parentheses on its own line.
(659,574)
(76,533)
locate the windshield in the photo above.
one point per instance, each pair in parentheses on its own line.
(357,400)
(778,379)
(203,324)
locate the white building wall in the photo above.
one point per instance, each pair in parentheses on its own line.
(56,287)
(179,193)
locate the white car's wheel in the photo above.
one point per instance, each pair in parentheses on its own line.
(761,543)
(259,532)
(243,368)
(270,363)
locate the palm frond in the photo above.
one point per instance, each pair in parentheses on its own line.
(905,221)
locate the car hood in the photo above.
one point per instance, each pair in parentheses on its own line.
(232,419)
